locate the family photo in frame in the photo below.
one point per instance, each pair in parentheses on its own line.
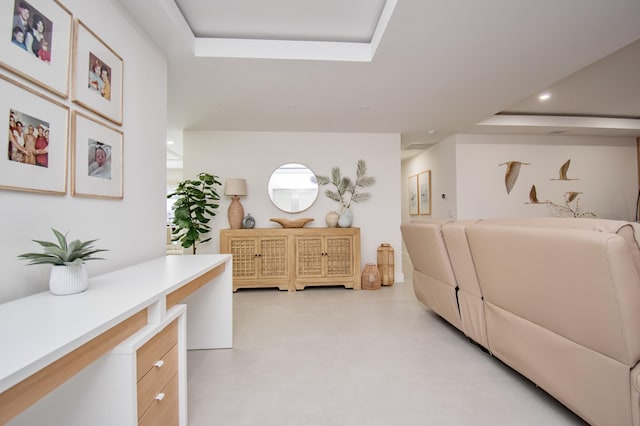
(35,152)
(97,162)
(97,75)
(35,42)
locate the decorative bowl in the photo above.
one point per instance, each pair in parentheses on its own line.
(295,223)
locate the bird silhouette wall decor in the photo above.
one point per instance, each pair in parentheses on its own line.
(562,174)
(511,175)
(533,197)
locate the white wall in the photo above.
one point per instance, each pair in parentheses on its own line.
(466,168)
(131,228)
(605,169)
(255,155)
(441,160)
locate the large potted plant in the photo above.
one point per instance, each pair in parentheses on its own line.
(69,273)
(193,209)
(346,190)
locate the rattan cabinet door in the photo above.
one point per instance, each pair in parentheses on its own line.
(273,257)
(245,258)
(310,256)
(339,256)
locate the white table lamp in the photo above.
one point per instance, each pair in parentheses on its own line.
(235,188)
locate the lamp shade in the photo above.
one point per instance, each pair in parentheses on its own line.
(235,186)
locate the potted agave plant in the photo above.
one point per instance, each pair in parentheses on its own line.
(69,273)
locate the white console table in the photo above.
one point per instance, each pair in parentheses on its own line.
(59,348)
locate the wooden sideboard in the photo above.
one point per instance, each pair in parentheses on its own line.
(116,353)
(293,258)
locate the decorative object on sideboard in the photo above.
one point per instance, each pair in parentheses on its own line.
(332,219)
(346,218)
(370,278)
(69,273)
(248,222)
(386,263)
(511,175)
(194,207)
(343,186)
(292,223)
(235,188)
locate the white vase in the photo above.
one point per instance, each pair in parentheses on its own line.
(68,279)
(346,218)
(332,219)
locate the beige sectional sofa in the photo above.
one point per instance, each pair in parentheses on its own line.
(556,299)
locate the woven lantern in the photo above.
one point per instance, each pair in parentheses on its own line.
(370,278)
(385,263)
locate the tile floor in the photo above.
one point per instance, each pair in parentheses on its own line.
(331,356)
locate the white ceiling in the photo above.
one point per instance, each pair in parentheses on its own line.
(400,66)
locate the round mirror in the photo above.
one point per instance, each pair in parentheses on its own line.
(293,187)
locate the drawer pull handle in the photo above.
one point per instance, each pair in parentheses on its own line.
(159,364)
(160,396)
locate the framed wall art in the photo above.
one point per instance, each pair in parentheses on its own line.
(424,190)
(96,158)
(36,128)
(97,74)
(35,42)
(413,195)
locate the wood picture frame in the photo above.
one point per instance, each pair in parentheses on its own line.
(97,81)
(424,191)
(35,151)
(37,49)
(413,195)
(96,158)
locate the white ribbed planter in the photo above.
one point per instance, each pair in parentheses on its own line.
(68,279)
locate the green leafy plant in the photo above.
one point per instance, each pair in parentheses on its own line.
(193,209)
(346,190)
(63,253)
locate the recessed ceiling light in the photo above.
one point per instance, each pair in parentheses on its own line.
(544,96)
(170,142)
(431,132)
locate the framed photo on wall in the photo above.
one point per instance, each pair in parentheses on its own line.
(424,190)
(36,129)
(97,74)
(413,195)
(96,158)
(35,42)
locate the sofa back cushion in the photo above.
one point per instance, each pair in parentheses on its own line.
(427,250)
(581,283)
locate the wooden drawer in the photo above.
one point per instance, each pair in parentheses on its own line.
(163,412)
(156,348)
(156,379)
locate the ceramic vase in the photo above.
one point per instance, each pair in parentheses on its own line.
(68,279)
(332,219)
(346,218)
